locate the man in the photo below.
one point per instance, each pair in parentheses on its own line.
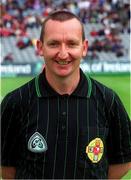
(62,125)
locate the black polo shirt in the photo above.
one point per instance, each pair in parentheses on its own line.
(48,135)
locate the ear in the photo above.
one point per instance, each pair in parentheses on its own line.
(85,47)
(39,46)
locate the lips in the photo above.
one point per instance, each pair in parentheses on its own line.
(63,62)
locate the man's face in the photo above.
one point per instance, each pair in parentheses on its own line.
(62,47)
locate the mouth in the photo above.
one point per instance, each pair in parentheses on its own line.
(63,62)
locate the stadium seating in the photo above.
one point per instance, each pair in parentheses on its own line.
(91,22)
(28,55)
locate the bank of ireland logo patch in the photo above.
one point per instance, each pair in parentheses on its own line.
(95,150)
(37,143)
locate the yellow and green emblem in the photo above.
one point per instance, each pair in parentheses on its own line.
(95,150)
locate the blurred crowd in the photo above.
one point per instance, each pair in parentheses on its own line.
(114,16)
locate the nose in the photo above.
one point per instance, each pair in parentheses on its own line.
(63,52)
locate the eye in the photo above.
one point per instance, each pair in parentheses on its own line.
(53,44)
(73,44)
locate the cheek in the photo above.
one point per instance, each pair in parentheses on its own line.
(77,54)
(48,54)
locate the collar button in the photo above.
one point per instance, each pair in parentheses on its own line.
(64,113)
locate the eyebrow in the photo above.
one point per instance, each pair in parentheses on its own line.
(68,40)
(73,41)
(53,41)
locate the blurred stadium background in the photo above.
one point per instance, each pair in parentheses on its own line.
(107,28)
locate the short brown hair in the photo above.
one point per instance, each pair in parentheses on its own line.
(60,15)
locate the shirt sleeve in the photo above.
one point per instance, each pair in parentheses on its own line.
(10,115)
(119,139)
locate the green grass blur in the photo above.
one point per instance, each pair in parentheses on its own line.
(127,176)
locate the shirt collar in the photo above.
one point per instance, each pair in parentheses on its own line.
(43,89)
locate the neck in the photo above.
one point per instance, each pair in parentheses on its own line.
(64,85)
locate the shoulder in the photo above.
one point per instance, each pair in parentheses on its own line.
(107,95)
(103,93)
(21,94)
(99,88)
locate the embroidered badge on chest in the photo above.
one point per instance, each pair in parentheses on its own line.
(95,150)
(37,143)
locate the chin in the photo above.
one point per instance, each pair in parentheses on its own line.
(63,73)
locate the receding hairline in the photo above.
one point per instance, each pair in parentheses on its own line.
(61,16)
(57,21)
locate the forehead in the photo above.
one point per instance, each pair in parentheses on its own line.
(70,27)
